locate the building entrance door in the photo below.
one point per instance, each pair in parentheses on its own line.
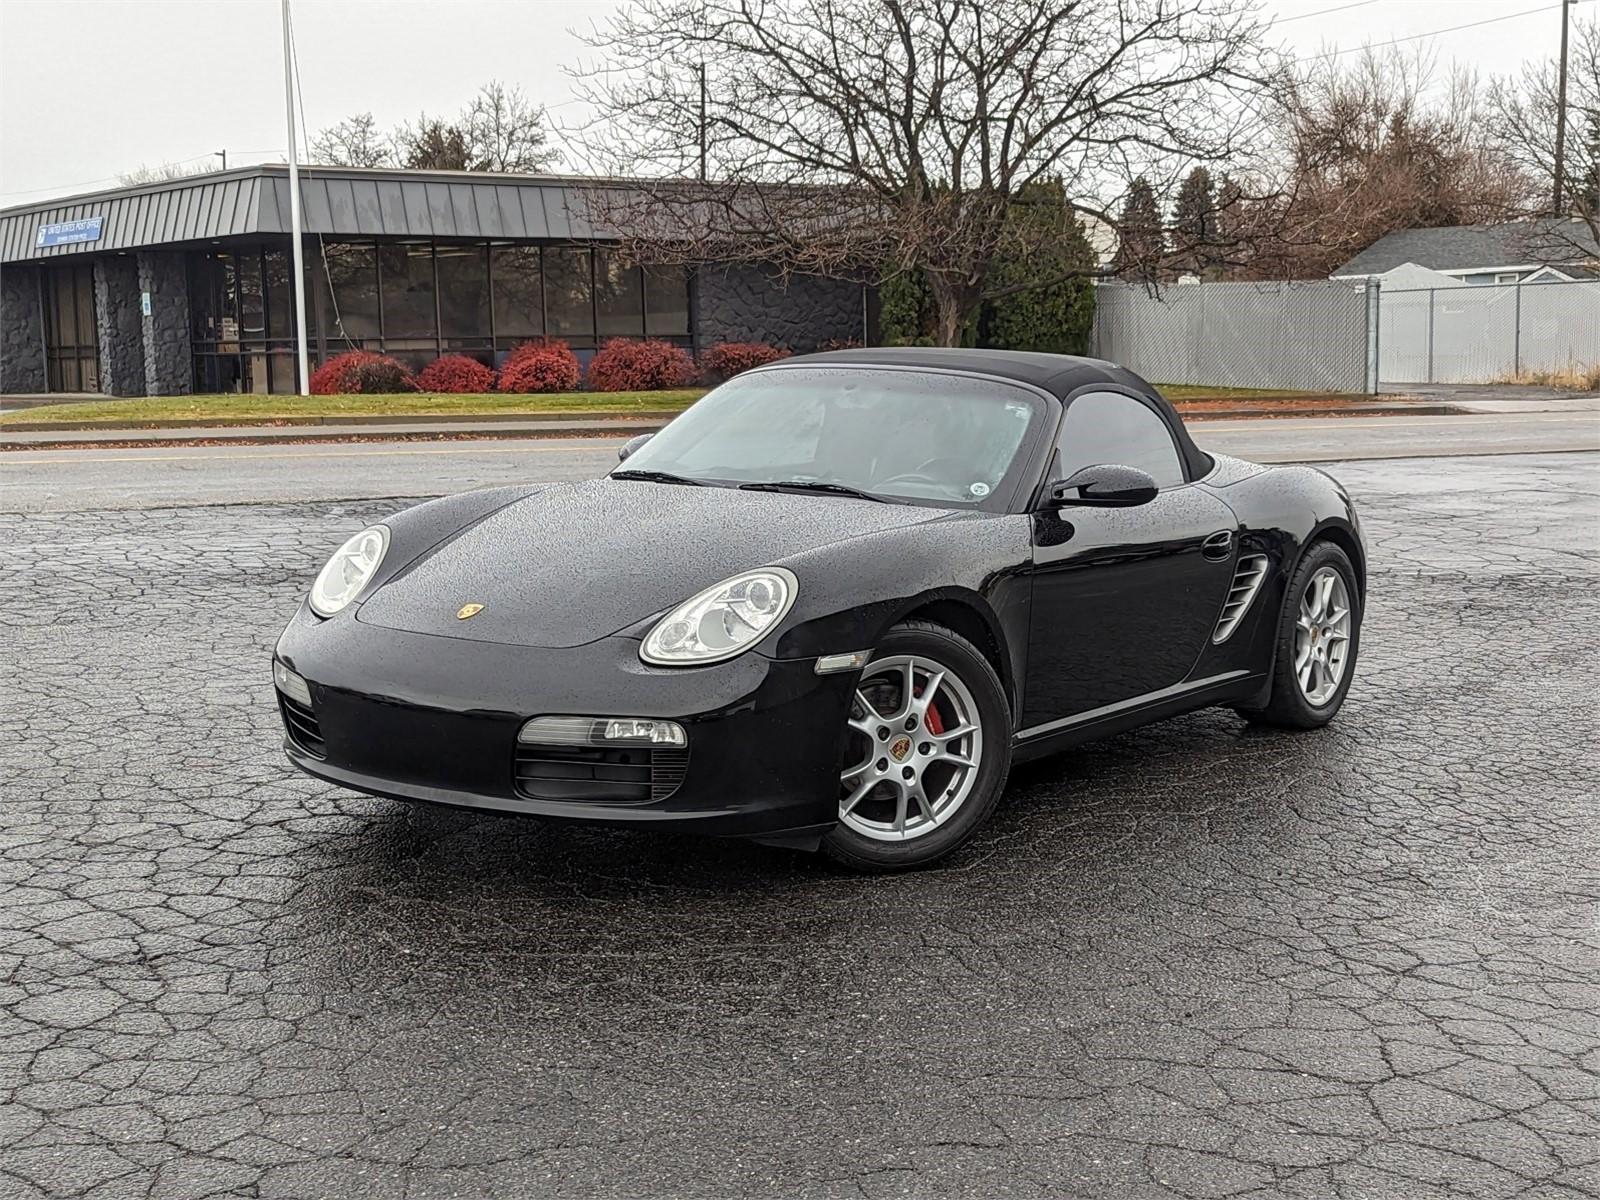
(72,349)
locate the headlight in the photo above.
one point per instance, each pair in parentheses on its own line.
(348,571)
(721,621)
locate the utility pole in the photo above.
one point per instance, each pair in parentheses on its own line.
(1561,111)
(703,122)
(302,357)
(223,155)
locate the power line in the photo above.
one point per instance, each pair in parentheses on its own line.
(1412,37)
(1322,12)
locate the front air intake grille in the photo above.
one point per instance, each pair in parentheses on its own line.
(600,775)
(1247,577)
(304,729)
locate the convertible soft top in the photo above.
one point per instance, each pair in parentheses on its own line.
(1058,374)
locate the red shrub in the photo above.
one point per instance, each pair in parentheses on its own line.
(625,365)
(728,359)
(361,372)
(456,373)
(540,367)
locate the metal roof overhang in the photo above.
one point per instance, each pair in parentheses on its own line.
(336,202)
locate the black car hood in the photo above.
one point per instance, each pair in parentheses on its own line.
(577,562)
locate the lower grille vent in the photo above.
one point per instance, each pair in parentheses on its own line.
(1247,577)
(301,722)
(590,774)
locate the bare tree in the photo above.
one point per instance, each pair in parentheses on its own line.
(1521,114)
(506,131)
(145,173)
(1369,146)
(353,142)
(500,129)
(893,135)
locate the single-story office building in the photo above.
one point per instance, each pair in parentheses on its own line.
(184,286)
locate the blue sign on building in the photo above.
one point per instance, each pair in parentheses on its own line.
(64,233)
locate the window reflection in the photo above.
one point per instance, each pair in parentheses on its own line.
(414,300)
(568,291)
(518,293)
(619,298)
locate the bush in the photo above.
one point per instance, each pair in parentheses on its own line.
(726,360)
(625,365)
(456,373)
(545,366)
(361,372)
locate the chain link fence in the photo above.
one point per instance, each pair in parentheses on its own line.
(1312,336)
(1485,333)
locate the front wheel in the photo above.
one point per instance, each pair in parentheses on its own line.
(1319,634)
(927,751)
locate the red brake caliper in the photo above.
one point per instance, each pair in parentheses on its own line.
(934,721)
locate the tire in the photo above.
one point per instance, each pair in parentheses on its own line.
(890,758)
(1291,705)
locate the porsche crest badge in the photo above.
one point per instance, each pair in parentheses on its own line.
(468,611)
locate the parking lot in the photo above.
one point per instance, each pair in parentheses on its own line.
(1199,960)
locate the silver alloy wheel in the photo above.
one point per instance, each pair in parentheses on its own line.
(915,744)
(1322,636)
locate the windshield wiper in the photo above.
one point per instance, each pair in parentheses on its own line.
(658,477)
(812,485)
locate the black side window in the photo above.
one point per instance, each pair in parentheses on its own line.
(1105,427)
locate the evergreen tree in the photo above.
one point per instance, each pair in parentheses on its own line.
(1141,241)
(1194,223)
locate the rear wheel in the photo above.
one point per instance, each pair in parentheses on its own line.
(927,751)
(1319,634)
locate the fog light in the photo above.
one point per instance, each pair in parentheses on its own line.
(290,684)
(602,731)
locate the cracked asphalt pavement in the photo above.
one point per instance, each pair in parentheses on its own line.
(1197,960)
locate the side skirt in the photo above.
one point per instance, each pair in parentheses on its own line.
(1041,740)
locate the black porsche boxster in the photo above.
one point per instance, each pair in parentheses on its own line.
(829,605)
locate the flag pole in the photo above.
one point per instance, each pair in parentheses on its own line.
(302,357)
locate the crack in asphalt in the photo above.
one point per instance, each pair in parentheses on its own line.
(1197,960)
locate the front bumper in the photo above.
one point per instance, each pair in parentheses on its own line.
(435,719)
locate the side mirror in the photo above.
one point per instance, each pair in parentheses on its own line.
(632,444)
(1105,486)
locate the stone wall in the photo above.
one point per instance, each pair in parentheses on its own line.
(166,341)
(21,331)
(747,304)
(117,325)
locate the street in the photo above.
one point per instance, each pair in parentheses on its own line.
(1194,960)
(136,478)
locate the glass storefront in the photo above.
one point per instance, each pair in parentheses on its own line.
(416,300)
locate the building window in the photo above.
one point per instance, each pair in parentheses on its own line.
(518,294)
(406,293)
(1506,277)
(72,350)
(349,285)
(416,300)
(463,291)
(619,296)
(569,291)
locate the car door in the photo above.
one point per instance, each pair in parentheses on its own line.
(1124,599)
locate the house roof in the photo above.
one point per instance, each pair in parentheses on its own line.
(1476,247)
(336,201)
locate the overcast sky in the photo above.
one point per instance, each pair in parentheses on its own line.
(90,88)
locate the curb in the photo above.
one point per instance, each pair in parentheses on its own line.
(541,427)
(661,415)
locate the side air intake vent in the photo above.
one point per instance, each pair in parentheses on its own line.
(1247,577)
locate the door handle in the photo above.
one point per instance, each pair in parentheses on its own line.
(1218,546)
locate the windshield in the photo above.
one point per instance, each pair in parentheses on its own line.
(917,436)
